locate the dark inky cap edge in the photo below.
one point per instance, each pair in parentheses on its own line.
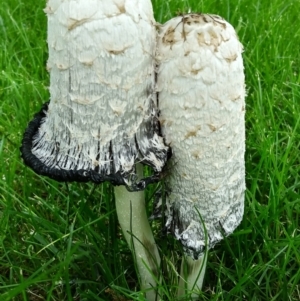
(62,175)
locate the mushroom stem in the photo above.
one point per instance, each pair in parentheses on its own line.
(131,211)
(191,276)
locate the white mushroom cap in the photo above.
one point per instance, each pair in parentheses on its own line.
(102,115)
(201,89)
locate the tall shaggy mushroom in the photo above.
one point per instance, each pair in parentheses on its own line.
(200,81)
(101,121)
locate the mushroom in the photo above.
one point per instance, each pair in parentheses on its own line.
(201,92)
(101,121)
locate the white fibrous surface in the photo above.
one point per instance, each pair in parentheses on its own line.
(102,114)
(200,80)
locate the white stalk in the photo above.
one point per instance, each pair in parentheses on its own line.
(191,276)
(131,211)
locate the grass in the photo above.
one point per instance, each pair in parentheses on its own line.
(61,242)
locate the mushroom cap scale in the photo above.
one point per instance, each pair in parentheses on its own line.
(102,116)
(200,83)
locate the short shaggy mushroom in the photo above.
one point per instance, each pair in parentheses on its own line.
(200,81)
(101,121)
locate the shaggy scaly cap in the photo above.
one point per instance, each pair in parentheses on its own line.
(102,115)
(201,89)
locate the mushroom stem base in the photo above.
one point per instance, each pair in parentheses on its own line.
(191,276)
(131,211)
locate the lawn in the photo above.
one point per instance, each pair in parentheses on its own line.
(62,242)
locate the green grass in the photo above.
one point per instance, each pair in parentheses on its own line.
(61,242)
